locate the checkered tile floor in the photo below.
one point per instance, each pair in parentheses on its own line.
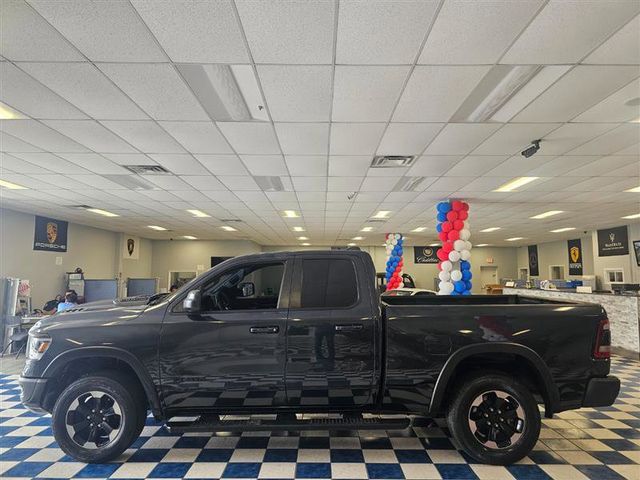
(598,444)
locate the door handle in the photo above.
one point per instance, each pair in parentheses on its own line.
(349,328)
(270,329)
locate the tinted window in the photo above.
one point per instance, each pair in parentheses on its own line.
(328,283)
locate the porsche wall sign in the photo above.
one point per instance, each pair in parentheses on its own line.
(50,235)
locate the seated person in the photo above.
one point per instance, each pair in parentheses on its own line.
(173,288)
(52,305)
(70,301)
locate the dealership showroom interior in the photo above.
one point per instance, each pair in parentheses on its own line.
(326,239)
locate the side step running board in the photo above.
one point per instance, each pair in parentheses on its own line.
(255,425)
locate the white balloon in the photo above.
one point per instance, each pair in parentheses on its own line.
(465,254)
(458,245)
(456,275)
(454,256)
(444,276)
(394,242)
(468,245)
(465,234)
(447,266)
(445,287)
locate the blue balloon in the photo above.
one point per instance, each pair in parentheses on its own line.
(444,207)
(468,285)
(465,265)
(467,292)
(439,228)
(460,286)
(442,217)
(454,293)
(400,253)
(466,275)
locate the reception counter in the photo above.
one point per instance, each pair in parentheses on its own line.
(623,312)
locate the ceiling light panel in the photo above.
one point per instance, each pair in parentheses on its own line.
(11,185)
(560,230)
(104,213)
(515,184)
(157,228)
(550,213)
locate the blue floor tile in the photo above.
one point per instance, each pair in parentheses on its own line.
(313,470)
(384,470)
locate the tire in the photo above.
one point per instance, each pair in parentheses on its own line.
(114,407)
(506,402)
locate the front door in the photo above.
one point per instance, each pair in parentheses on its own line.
(330,334)
(231,355)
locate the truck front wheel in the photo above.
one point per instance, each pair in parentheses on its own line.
(495,419)
(96,418)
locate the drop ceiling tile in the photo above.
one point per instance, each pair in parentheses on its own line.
(621,48)
(289,32)
(94,163)
(198,137)
(471,21)
(94,181)
(237,182)
(9,143)
(460,138)
(86,87)
(620,137)
(146,136)
(40,135)
(92,135)
(574,93)
(518,166)
(349,166)
(434,93)
(596,165)
(450,184)
(344,184)
(633,149)
(513,138)
(27,36)
(303,138)
(310,184)
(473,165)
(129,158)
(223,164)
(578,25)
(571,135)
(433,166)
(15,164)
(265,165)
(379,184)
(614,107)
(297,93)
(366,94)
(180,164)
(196,32)
(250,138)
(355,138)
(168,182)
(103,31)
(157,89)
(407,138)
(399,27)
(30,97)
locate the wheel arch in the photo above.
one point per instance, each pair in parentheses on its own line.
(534,364)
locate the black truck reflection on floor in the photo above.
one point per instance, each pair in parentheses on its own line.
(291,333)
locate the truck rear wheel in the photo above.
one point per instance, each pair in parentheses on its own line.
(96,418)
(495,419)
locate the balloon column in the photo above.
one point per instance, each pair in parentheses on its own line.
(455,269)
(394,261)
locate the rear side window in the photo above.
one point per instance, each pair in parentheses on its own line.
(328,283)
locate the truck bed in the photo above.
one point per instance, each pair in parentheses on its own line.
(462,300)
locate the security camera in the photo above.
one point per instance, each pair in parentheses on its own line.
(530,151)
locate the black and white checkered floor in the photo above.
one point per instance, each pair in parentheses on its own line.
(597,444)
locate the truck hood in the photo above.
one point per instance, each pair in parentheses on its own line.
(91,313)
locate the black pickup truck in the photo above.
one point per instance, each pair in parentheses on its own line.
(305,332)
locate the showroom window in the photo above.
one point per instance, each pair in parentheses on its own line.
(614,275)
(328,283)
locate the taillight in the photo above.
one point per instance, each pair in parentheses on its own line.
(602,349)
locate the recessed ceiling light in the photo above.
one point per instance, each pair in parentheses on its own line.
(8,113)
(303,238)
(514,239)
(490,229)
(227,228)
(298,229)
(290,214)
(630,217)
(305,244)
(156,227)
(366,229)
(357,238)
(11,186)
(550,213)
(515,183)
(102,212)
(634,190)
(560,230)
(382,214)
(351,244)
(419,229)
(189,237)
(198,213)
(434,244)
(482,245)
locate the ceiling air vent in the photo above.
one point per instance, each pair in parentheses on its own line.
(147,169)
(131,182)
(269,183)
(230,220)
(390,161)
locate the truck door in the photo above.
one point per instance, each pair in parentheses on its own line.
(330,333)
(231,354)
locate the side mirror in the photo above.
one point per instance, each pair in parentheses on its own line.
(247,288)
(191,303)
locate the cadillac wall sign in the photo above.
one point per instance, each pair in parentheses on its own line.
(613,241)
(50,235)
(534,267)
(425,255)
(574,248)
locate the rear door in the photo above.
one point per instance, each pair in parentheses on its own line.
(330,333)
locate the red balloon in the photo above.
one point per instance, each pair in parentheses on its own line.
(458,225)
(465,206)
(440,266)
(454,235)
(447,226)
(452,215)
(447,246)
(457,205)
(442,255)
(442,236)
(463,215)
(398,269)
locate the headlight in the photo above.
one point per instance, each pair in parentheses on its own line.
(37,346)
